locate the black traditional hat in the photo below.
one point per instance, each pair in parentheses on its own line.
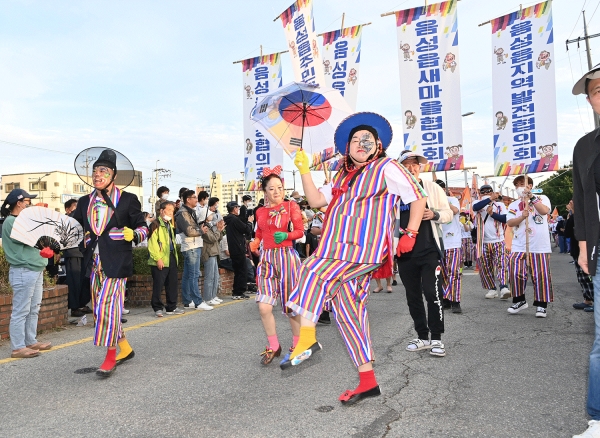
(101,156)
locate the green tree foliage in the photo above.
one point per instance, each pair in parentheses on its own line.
(559,188)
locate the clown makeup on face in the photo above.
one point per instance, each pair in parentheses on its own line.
(102,177)
(274,191)
(362,146)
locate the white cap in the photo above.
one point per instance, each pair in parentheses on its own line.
(579,87)
(406,154)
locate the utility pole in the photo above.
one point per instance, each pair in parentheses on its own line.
(466,175)
(157,174)
(587,38)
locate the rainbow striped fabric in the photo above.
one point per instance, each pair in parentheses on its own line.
(442,9)
(359,226)
(539,10)
(539,263)
(97,220)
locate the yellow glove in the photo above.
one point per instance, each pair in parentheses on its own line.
(301,162)
(128,234)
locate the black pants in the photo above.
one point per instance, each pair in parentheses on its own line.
(166,277)
(78,284)
(240,274)
(421,276)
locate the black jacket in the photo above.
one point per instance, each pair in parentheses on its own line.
(570,234)
(115,255)
(237,233)
(587,223)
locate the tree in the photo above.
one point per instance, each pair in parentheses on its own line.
(559,188)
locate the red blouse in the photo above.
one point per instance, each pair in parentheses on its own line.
(272,219)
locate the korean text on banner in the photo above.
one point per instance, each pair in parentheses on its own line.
(261,75)
(524,93)
(299,28)
(341,61)
(430,84)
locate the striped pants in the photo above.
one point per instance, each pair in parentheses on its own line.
(467,249)
(108,295)
(494,257)
(276,276)
(539,266)
(451,275)
(346,286)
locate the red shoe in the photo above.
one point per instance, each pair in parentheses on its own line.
(350,397)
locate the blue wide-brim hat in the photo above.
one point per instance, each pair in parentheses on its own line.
(377,122)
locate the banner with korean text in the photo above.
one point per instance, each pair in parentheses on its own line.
(299,28)
(341,61)
(261,75)
(430,84)
(524,92)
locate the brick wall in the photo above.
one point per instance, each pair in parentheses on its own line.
(139,288)
(53,313)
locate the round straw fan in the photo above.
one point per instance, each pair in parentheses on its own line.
(41,227)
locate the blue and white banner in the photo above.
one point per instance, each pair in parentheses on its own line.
(524,92)
(261,76)
(430,84)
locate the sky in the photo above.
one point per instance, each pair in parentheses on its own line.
(156,80)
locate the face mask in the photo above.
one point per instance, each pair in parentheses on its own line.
(165,196)
(520,191)
(167,218)
(486,197)
(148,222)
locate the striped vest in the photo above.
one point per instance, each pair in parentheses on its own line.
(358,227)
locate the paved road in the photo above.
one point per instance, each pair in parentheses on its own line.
(199,375)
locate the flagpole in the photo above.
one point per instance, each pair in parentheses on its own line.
(276,53)
(362,25)
(393,12)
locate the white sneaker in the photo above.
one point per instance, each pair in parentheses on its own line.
(190,306)
(204,306)
(125,311)
(517,307)
(491,294)
(593,431)
(504,293)
(213,302)
(540,312)
(217,299)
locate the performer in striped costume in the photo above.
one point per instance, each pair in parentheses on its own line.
(453,258)
(491,252)
(529,214)
(111,220)
(278,224)
(356,239)
(467,240)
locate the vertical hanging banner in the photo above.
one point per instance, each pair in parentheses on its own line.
(524,92)
(430,84)
(341,61)
(299,28)
(261,75)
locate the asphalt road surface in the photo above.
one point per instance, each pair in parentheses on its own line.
(199,375)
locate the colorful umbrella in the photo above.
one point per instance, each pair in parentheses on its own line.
(301,116)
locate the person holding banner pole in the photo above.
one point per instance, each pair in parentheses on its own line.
(353,246)
(530,249)
(491,251)
(586,190)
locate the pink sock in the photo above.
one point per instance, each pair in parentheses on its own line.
(273,342)
(295,341)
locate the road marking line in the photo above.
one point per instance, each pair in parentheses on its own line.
(133,327)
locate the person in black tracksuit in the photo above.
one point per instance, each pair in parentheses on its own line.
(238,231)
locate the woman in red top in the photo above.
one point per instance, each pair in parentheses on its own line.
(278,224)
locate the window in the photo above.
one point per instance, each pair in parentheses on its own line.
(11,186)
(56,184)
(38,186)
(78,188)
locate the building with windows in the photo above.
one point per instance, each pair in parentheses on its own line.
(232,190)
(56,187)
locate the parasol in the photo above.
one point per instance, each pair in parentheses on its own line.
(41,227)
(301,116)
